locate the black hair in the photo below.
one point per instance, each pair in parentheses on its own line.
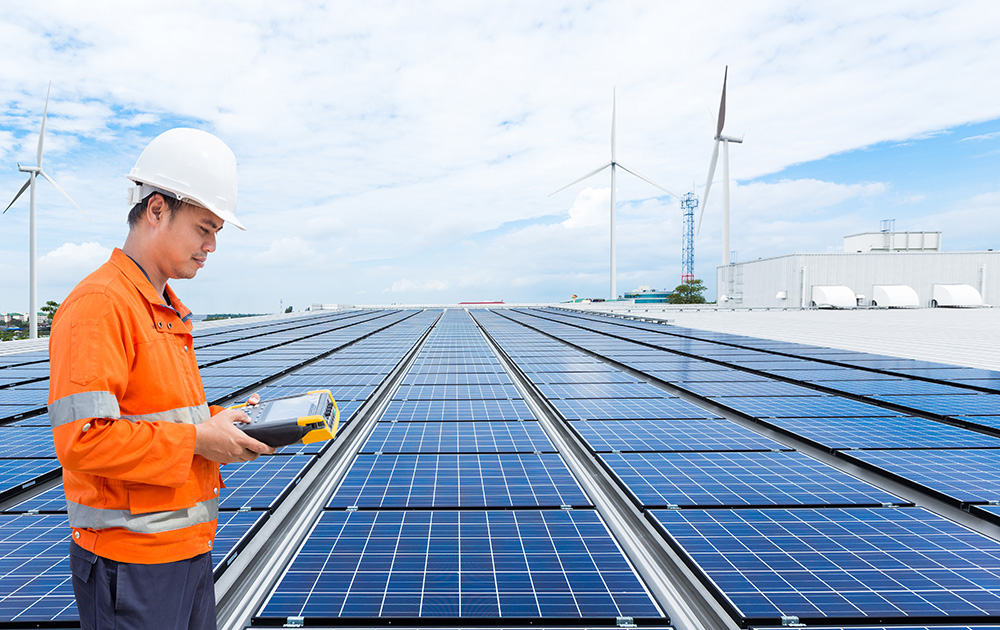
(139,209)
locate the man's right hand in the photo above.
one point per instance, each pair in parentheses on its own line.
(220,441)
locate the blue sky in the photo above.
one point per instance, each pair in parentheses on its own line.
(393,152)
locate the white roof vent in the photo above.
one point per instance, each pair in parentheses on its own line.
(894,296)
(833,296)
(961,295)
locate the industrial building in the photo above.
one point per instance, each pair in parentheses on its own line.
(877,269)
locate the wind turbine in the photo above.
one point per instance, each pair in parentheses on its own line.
(613,164)
(725,140)
(33,172)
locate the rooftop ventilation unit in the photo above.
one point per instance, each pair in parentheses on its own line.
(956,295)
(894,296)
(833,296)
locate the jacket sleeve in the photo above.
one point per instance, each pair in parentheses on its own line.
(90,350)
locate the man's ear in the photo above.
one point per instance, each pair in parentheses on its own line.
(156,209)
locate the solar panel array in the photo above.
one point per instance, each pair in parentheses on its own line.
(458,507)
(34,572)
(825,553)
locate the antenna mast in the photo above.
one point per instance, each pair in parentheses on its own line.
(689,203)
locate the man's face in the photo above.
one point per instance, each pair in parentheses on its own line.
(186,240)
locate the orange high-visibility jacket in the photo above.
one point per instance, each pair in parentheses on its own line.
(124,396)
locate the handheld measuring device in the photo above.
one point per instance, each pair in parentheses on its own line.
(307,418)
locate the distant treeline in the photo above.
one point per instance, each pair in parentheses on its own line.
(215,316)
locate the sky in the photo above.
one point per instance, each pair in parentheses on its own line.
(407,152)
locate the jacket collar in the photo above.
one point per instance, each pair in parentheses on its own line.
(137,276)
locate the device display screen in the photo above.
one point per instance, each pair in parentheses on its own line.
(291,408)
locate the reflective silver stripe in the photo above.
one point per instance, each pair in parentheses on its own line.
(83,405)
(85,517)
(185,415)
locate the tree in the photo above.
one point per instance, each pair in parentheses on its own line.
(50,309)
(689,292)
(288,310)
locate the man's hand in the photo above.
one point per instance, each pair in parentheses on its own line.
(218,440)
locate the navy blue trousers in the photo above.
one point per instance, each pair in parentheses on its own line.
(123,596)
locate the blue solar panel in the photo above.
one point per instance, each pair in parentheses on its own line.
(464,378)
(988,512)
(45,502)
(626,409)
(466,480)
(582,377)
(840,565)
(602,390)
(456,392)
(965,476)
(35,580)
(235,529)
(671,435)
(17,475)
(717,375)
(895,387)
(24,396)
(802,407)
(748,388)
(467,564)
(456,410)
(882,433)
(757,479)
(833,374)
(578,366)
(458,437)
(969,405)
(263,482)
(26,442)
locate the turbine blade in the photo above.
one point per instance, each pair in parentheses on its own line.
(41,134)
(722,106)
(59,188)
(646,179)
(613,116)
(708,184)
(19,193)
(577,181)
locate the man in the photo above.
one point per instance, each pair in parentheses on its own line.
(139,446)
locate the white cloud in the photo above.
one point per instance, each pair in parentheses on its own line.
(590,209)
(71,261)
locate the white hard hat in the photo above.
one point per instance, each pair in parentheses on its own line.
(192,165)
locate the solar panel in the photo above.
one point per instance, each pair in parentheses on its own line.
(707,376)
(881,433)
(263,482)
(964,476)
(456,392)
(465,480)
(235,529)
(626,409)
(752,479)
(35,583)
(895,387)
(25,442)
(464,564)
(748,388)
(17,475)
(802,407)
(457,437)
(839,565)
(456,410)
(603,390)
(45,502)
(582,377)
(968,405)
(605,436)
(463,378)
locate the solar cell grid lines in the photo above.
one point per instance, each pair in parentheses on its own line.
(460,564)
(751,479)
(605,436)
(26,442)
(628,409)
(882,433)
(802,407)
(842,565)
(45,502)
(896,386)
(963,476)
(970,405)
(35,581)
(456,410)
(582,377)
(602,390)
(745,388)
(456,378)
(453,481)
(455,437)
(261,483)
(498,391)
(19,474)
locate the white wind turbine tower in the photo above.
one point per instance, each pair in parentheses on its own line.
(33,172)
(613,164)
(725,140)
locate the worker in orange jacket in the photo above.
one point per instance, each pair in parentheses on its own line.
(139,446)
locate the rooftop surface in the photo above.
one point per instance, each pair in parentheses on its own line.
(537,466)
